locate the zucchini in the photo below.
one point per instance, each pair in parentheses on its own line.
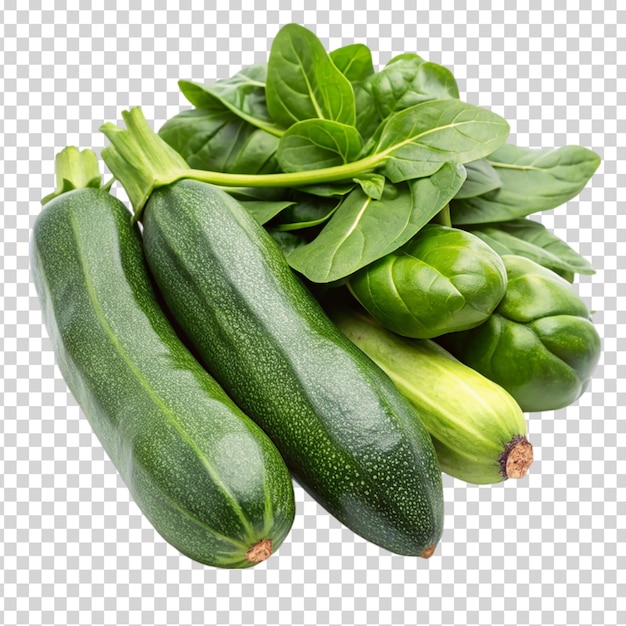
(205,475)
(478,429)
(347,434)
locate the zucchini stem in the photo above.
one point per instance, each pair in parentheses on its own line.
(75,169)
(516,458)
(260,551)
(140,159)
(428,552)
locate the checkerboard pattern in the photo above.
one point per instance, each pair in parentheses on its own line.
(544,550)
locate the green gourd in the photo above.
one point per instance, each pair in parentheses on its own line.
(205,475)
(346,433)
(478,429)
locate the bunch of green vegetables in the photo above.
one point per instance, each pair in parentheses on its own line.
(335,280)
(388,184)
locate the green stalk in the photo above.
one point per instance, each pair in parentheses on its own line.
(142,162)
(140,159)
(347,171)
(75,169)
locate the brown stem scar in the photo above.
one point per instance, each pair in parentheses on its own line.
(516,458)
(428,552)
(260,551)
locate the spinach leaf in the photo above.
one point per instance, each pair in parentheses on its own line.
(533,240)
(329,190)
(372,184)
(242,93)
(409,81)
(269,194)
(220,141)
(406,56)
(286,241)
(532,180)
(412,143)
(353,61)
(481,178)
(316,143)
(303,82)
(264,210)
(362,229)
(367,117)
(416,141)
(305,214)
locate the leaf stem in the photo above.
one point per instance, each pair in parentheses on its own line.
(443,217)
(143,162)
(347,171)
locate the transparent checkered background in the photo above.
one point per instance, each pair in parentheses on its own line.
(544,550)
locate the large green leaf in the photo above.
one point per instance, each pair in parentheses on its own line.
(533,240)
(264,210)
(409,81)
(303,82)
(315,144)
(243,94)
(415,141)
(481,178)
(362,229)
(372,184)
(306,213)
(367,117)
(329,190)
(354,61)
(532,181)
(254,194)
(220,141)
(406,56)
(285,240)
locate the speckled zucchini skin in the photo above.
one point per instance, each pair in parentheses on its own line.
(205,475)
(347,434)
(471,420)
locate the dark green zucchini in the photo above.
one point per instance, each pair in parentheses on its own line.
(205,475)
(347,434)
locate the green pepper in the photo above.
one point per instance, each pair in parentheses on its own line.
(539,344)
(444,280)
